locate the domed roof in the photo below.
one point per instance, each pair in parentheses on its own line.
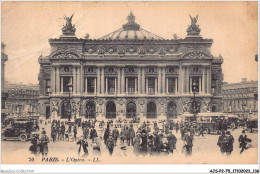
(131,31)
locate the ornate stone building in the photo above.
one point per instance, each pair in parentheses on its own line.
(241,98)
(22,99)
(129,73)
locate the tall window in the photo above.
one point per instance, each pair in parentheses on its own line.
(171,85)
(90,84)
(66,80)
(195,84)
(131,85)
(151,85)
(47,87)
(111,85)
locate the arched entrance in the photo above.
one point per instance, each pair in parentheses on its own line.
(172,110)
(90,111)
(65,109)
(151,110)
(131,110)
(110,110)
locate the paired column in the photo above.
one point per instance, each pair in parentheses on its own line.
(203,80)
(139,80)
(78,79)
(126,86)
(106,85)
(143,80)
(74,80)
(118,80)
(176,84)
(188,86)
(167,85)
(53,79)
(163,80)
(61,82)
(208,80)
(135,85)
(98,80)
(102,80)
(180,78)
(159,80)
(86,85)
(123,81)
(156,85)
(57,79)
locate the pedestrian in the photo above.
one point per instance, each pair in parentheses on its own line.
(96,147)
(201,129)
(188,143)
(171,142)
(115,134)
(75,132)
(84,144)
(177,127)
(243,141)
(132,135)
(144,140)
(150,144)
(53,132)
(192,131)
(62,131)
(123,135)
(110,144)
(85,132)
(222,142)
(44,143)
(137,142)
(93,134)
(230,143)
(35,148)
(106,135)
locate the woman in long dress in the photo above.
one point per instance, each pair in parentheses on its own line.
(137,142)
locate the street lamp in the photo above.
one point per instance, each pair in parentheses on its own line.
(194,104)
(69,106)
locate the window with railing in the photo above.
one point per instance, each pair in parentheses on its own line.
(90,84)
(131,85)
(47,87)
(195,86)
(151,85)
(66,81)
(111,85)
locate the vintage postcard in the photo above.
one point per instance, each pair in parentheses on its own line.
(129,83)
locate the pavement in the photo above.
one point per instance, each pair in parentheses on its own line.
(205,151)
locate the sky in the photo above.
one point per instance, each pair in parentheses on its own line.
(27,26)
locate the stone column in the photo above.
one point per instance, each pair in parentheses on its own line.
(167,85)
(203,80)
(139,80)
(123,81)
(126,86)
(188,80)
(98,80)
(86,85)
(156,85)
(208,80)
(190,87)
(115,86)
(106,85)
(61,83)
(53,79)
(159,80)
(81,79)
(163,81)
(135,85)
(57,79)
(95,86)
(102,80)
(180,79)
(199,84)
(78,80)
(143,80)
(118,81)
(146,85)
(176,85)
(74,80)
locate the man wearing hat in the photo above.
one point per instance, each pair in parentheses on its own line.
(243,141)
(230,143)
(188,143)
(115,134)
(44,143)
(110,144)
(222,142)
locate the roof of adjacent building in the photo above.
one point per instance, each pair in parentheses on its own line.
(243,84)
(131,31)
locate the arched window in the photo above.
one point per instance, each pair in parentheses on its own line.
(90,110)
(151,110)
(131,110)
(110,110)
(172,110)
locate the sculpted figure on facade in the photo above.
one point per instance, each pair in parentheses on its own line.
(55,109)
(193,29)
(186,106)
(68,28)
(206,107)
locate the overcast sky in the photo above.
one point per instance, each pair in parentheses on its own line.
(27,26)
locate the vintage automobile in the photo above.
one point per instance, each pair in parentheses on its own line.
(232,120)
(252,123)
(20,128)
(189,120)
(212,121)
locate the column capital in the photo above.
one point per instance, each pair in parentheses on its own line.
(101,65)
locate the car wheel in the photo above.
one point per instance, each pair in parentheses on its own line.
(23,137)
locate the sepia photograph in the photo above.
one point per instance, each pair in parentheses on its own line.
(129,82)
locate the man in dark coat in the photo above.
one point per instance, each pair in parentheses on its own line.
(115,134)
(201,128)
(177,127)
(243,141)
(110,144)
(84,144)
(106,135)
(93,134)
(230,143)
(132,135)
(222,142)
(144,140)
(44,143)
(188,143)
(171,145)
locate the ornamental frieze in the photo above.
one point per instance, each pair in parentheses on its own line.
(101,51)
(196,70)
(65,70)
(196,55)
(65,54)
(110,70)
(151,50)
(131,50)
(151,70)
(121,50)
(131,70)
(161,51)
(90,70)
(141,51)
(172,70)
(171,50)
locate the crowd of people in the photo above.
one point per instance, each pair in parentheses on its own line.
(146,138)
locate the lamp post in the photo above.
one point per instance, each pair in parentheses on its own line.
(69,106)
(194,103)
